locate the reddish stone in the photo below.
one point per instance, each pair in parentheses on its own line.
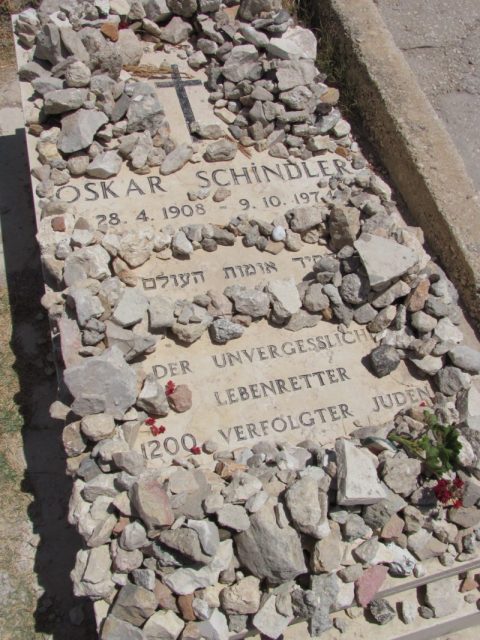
(120,526)
(110,31)
(165,597)
(416,300)
(186,608)
(181,399)
(393,528)
(367,586)
(58,223)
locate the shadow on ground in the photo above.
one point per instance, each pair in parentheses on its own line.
(45,477)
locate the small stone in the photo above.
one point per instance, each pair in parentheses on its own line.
(151,502)
(381,611)
(242,598)
(384,260)
(223,330)
(400,474)
(451,380)
(384,360)
(443,597)
(79,128)
(105,165)
(220,151)
(357,478)
(163,624)
(234,517)
(181,398)
(102,383)
(176,159)
(367,586)
(134,604)
(97,427)
(466,359)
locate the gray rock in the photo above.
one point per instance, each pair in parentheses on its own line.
(129,47)
(242,598)
(269,621)
(443,596)
(357,478)
(295,43)
(160,313)
(284,296)
(176,159)
(176,31)
(102,383)
(269,551)
(242,63)
(115,629)
(234,517)
(220,151)
(423,322)
(400,473)
(181,245)
(424,546)
(186,542)
(465,358)
(87,306)
(249,302)
(133,537)
(207,535)
(315,300)
(130,344)
(343,226)
(134,604)
(79,128)
(302,219)
(354,289)
(150,501)
(130,309)
(384,260)
(223,330)
(251,9)
(185,8)
(381,611)
(77,74)
(163,624)
(56,102)
(98,426)
(105,165)
(308,507)
(157,10)
(451,380)
(144,113)
(384,360)
(152,398)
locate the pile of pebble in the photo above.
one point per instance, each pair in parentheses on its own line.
(253,538)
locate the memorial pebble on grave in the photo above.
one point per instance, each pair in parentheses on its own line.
(243,319)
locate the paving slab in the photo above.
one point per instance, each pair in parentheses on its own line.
(441,41)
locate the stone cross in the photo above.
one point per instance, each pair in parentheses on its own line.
(179,84)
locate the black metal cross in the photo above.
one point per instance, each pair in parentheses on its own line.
(179,84)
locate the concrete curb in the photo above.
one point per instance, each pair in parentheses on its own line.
(410,139)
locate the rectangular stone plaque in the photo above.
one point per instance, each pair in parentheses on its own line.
(271,383)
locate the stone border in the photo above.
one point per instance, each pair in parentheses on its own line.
(411,140)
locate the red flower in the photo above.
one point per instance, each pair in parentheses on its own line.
(196,450)
(458,483)
(423,404)
(170,387)
(150,421)
(458,503)
(156,431)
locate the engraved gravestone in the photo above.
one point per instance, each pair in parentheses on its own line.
(287,383)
